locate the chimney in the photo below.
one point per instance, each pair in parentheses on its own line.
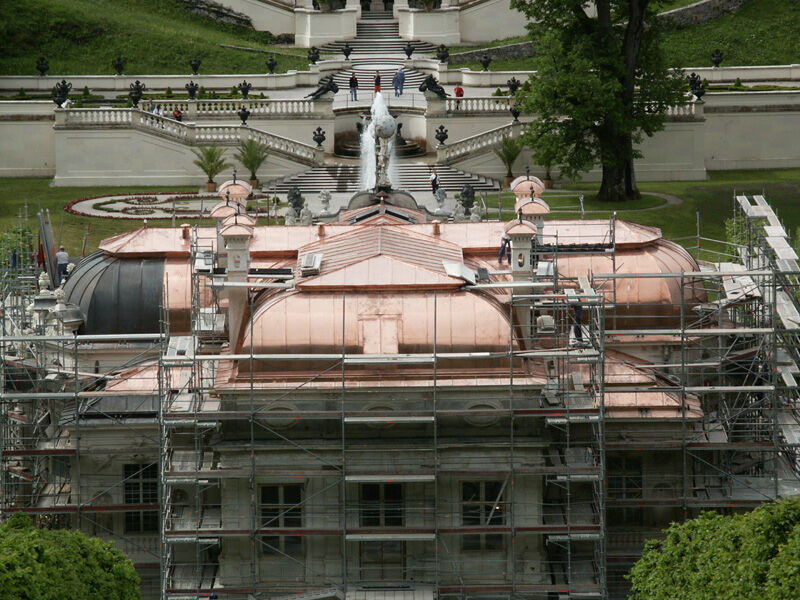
(521,233)
(236,237)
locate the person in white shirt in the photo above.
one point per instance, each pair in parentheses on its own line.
(62,259)
(434,181)
(505,248)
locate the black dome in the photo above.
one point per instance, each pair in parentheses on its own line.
(117,295)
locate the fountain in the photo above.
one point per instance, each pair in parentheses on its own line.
(377,145)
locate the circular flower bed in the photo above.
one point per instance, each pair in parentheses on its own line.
(137,210)
(142,200)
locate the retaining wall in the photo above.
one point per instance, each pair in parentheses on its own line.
(702,11)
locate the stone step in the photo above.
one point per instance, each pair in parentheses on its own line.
(377,16)
(379,47)
(366,74)
(413,177)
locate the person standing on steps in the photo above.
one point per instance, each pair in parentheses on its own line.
(353,88)
(377,81)
(401,77)
(396,83)
(434,181)
(62,260)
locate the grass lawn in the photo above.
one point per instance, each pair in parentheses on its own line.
(37,192)
(712,198)
(154,36)
(761,32)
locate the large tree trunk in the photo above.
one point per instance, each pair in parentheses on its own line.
(619,179)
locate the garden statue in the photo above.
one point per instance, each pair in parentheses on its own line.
(513,85)
(244,88)
(318,137)
(716,58)
(195,65)
(441,135)
(347,50)
(467,197)
(325,200)
(431,85)
(327,87)
(306,216)
(295,199)
(514,112)
(408,49)
(42,66)
(271,64)
(243,114)
(442,53)
(313,55)
(291,217)
(119,64)
(459,214)
(485,61)
(136,93)
(192,88)
(61,92)
(696,85)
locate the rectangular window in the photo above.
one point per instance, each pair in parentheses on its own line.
(281,507)
(141,487)
(382,505)
(482,505)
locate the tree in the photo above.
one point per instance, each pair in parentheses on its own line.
(211,161)
(252,154)
(602,82)
(749,556)
(61,564)
(508,151)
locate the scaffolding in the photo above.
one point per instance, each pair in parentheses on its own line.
(70,403)
(364,475)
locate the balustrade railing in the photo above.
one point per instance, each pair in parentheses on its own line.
(482,141)
(479,104)
(187,133)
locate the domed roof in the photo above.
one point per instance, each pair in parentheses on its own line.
(531,208)
(378,323)
(523,186)
(117,295)
(238,189)
(226,208)
(520,228)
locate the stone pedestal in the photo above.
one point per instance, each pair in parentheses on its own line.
(354,4)
(398,4)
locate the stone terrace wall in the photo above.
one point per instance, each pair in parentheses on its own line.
(519,50)
(702,11)
(206,8)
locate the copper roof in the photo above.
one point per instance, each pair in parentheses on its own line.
(469,237)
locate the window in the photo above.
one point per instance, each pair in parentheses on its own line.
(141,487)
(482,505)
(381,505)
(280,507)
(624,483)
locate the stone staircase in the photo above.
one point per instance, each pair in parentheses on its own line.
(412,177)
(378,34)
(365,69)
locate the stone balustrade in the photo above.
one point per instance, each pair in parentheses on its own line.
(478,104)
(446,154)
(186,133)
(258,107)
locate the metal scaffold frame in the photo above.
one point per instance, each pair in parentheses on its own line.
(613,447)
(573,414)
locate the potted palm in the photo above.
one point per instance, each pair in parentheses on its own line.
(211,160)
(508,152)
(252,154)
